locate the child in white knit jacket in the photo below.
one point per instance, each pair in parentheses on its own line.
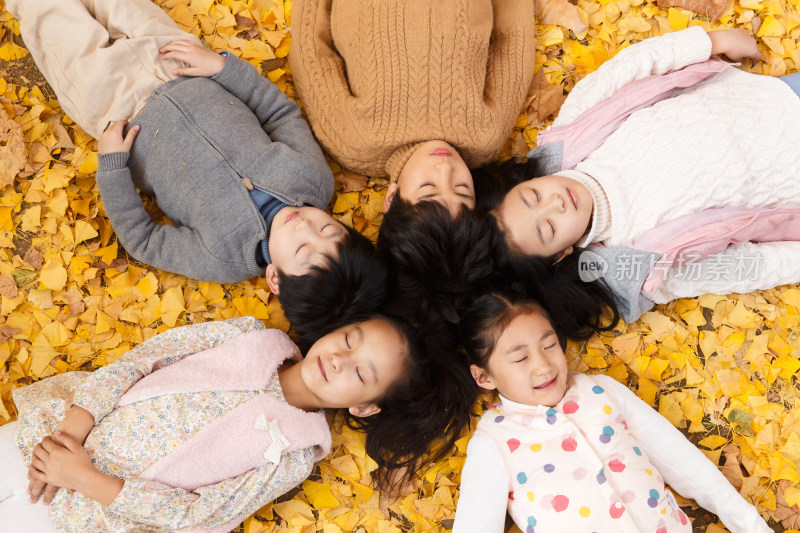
(565,451)
(712,158)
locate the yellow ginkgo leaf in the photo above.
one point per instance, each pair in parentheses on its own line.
(319,495)
(53,275)
(712,442)
(172,305)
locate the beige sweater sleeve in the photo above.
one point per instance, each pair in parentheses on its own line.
(511,53)
(318,70)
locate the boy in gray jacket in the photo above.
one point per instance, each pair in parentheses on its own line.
(228,157)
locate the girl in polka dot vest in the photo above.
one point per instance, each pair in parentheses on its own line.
(565,451)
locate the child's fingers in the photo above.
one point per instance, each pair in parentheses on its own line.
(116,128)
(49,444)
(35,490)
(38,467)
(65,440)
(177,56)
(49,491)
(39,452)
(127,143)
(175,45)
(185,71)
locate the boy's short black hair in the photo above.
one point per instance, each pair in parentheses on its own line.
(437,259)
(349,288)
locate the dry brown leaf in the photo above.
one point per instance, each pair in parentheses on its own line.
(12,149)
(545,98)
(8,287)
(347,181)
(789,515)
(6,332)
(713,9)
(560,13)
(34,258)
(732,469)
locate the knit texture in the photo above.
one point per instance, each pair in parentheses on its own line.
(729,141)
(601,212)
(398,160)
(378,75)
(199,139)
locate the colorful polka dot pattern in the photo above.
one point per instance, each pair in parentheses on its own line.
(577,461)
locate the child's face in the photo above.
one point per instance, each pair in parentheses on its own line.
(546,216)
(355,365)
(527,365)
(435,171)
(301,237)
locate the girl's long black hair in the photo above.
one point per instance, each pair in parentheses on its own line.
(424,413)
(577,308)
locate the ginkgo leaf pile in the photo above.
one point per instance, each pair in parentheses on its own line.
(723,369)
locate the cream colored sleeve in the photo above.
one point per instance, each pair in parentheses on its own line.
(656,55)
(743,267)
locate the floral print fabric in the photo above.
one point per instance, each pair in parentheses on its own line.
(127,440)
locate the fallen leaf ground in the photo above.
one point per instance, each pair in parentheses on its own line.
(721,368)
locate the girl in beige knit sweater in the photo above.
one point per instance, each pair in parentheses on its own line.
(419,91)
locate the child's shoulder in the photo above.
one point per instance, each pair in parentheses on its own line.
(595,385)
(579,379)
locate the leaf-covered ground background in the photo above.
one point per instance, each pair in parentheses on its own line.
(721,368)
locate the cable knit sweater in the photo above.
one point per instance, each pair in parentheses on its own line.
(376,76)
(729,141)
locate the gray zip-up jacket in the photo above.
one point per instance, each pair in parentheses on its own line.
(199,139)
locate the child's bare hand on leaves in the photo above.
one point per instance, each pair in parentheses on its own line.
(61,461)
(201,61)
(737,44)
(112,140)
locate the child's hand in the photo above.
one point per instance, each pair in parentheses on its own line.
(112,141)
(737,44)
(202,61)
(77,423)
(60,461)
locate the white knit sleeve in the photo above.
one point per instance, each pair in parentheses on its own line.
(683,466)
(656,55)
(743,267)
(484,489)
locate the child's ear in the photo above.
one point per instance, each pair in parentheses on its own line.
(563,254)
(365,410)
(390,192)
(482,377)
(272,279)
